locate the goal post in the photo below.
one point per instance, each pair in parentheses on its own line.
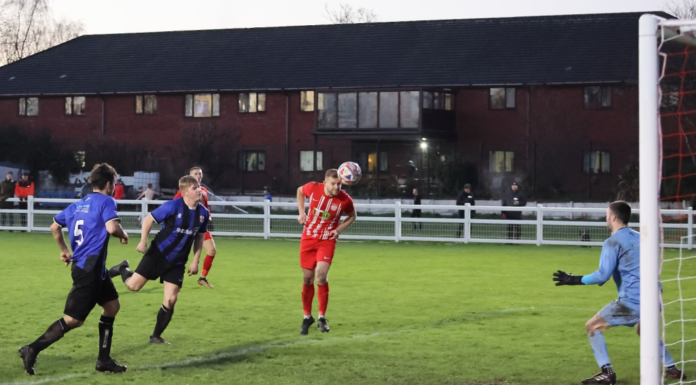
(649,176)
(667,104)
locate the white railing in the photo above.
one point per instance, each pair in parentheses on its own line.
(540,225)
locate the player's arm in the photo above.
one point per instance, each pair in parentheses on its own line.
(301,206)
(114,228)
(197,248)
(146,227)
(344,225)
(57,232)
(607,264)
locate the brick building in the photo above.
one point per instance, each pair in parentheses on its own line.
(551,101)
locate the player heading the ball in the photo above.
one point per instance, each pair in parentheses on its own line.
(620,259)
(327,203)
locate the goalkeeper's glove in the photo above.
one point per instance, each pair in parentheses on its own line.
(562,278)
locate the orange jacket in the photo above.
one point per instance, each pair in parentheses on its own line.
(24,189)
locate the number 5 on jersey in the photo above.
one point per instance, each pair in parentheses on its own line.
(77,233)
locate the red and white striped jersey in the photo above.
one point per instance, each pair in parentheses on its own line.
(324,212)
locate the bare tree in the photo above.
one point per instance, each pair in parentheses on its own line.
(346,14)
(682,9)
(27,27)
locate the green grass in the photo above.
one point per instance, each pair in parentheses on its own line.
(408,313)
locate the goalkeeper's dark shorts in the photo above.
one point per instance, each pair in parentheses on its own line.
(621,313)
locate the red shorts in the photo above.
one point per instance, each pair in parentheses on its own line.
(316,250)
(208,236)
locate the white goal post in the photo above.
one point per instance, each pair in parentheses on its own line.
(652,31)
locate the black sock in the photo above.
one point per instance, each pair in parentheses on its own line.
(54,332)
(106,333)
(125,273)
(163,318)
(607,369)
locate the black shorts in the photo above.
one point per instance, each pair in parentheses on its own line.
(88,290)
(154,265)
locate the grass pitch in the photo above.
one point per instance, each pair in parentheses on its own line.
(408,313)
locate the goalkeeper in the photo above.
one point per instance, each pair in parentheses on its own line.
(620,259)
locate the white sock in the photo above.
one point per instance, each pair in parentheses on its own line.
(308,316)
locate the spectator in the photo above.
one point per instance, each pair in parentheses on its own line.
(23,190)
(516,198)
(267,195)
(119,190)
(416,213)
(7,189)
(148,194)
(86,189)
(465,196)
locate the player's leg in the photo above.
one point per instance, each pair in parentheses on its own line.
(308,262)
(108,300)
(325,254)
(164,316)
(210,250)
(595,328)
(671,368)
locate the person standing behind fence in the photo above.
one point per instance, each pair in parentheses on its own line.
(465,196)
(23,190)
(7,190)
(119,190)
(416,213)
(515,197)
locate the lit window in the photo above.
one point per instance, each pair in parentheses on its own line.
(597,97)
(502,98)
(307,161)
(145,104)
(75,105)
(596,162)
(370,162)
(252,102)
(501,161)
(306,100)
(202,105)
(252,161)
(29,106)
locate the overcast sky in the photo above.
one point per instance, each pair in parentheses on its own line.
(115,16)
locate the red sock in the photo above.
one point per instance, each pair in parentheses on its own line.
(307,298)
(207,264)
(323,298)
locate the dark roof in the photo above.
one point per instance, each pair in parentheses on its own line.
(589,48)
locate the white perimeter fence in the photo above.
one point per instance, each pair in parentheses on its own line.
(539,225)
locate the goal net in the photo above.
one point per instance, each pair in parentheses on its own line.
(667,87)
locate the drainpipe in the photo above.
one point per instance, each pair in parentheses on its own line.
(103,125)
(287,142)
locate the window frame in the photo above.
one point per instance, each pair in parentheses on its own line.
(243,156)
(141,100)
(190,105)
(505,155)
(71,102)
(603,102)
(24,106)
(320,160)
(590,171)
(257,97)
(509,97)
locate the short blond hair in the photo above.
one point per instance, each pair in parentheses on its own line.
(195,168)
(187,181)
(331,173)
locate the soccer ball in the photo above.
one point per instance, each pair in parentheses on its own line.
(350,173)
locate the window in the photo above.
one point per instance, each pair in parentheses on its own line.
(306,100)
(388,109)
(367,109)
(501,161)
(369,162)
(596,162)
(438,100)
(347,110)
(80,158)
(307,161)
(597,97)
(502,98)
(409,113)
(327,110)
(29,106)
(145,104)
(252,161)
(252,102)
(75,105)
(201,105)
